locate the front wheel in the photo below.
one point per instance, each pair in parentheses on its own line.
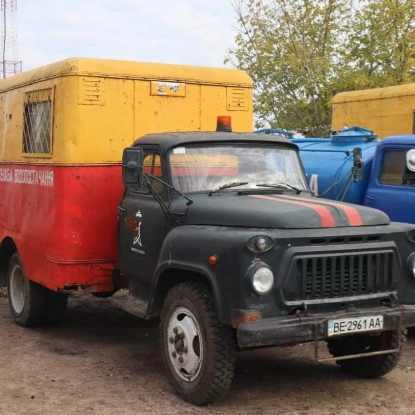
(371,366)
(198,350)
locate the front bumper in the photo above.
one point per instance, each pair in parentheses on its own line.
(290,330)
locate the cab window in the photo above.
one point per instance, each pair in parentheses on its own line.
(151,165)
(394,171)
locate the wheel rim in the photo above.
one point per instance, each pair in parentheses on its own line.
(17,289)
(185,344)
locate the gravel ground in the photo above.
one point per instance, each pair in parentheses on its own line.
(104,361)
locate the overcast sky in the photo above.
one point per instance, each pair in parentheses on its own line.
(195,32)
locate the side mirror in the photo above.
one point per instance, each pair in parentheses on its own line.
(410,160)
(132,166)
(358,164)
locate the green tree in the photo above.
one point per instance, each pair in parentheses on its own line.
(300,53)
(381,45)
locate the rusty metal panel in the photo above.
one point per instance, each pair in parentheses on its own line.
(237,99)
(91,91)
(170,89)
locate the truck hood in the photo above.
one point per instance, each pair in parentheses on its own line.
(279,211)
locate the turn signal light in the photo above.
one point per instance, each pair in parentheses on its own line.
(224,123)
(213,260)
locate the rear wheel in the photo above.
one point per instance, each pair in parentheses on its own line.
(27,300)
(371,366)
(56,306)
(198,350)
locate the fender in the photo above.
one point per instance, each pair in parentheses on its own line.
(195,269)
(193,257)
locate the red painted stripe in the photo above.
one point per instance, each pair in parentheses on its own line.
(351,213)
(327,220)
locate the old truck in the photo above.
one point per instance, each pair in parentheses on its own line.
(215,232)
(388,111)
(381,175)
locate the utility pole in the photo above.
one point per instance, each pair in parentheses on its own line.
(10,56)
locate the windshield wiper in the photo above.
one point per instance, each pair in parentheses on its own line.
(282,186)
(227,186)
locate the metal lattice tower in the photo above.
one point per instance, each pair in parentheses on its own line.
(10,56)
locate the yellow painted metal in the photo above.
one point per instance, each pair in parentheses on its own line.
(386,111)
(101,106)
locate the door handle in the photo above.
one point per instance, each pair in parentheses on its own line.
(370,197)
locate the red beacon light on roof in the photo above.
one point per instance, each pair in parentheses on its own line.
(224,123)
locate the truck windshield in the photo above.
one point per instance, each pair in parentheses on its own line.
(196,168)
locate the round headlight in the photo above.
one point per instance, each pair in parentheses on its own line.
(262,280)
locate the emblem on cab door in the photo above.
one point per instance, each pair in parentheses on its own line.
(135,224)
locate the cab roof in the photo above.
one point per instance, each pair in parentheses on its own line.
(169,140)
(398,139)
(129,70)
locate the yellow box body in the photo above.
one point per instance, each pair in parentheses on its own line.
(101,106)
(386,111)
(63,128)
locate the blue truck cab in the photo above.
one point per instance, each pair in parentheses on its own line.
(391,186)
(386,179)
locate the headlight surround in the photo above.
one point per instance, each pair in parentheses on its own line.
(411,235)
(411,264)
(260,243)
(262,279)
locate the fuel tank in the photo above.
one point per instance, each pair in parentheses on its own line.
(328,163)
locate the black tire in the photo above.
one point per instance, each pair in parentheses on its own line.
(216,344)
(27,300)
(372,366)
(56,307)
(104,294)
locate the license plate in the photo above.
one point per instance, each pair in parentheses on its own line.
(354,325)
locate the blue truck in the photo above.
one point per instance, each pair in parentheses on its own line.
(355,167)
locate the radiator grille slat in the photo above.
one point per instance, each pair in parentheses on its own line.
(314,280)
(344,275)
(361,288)
(324,284)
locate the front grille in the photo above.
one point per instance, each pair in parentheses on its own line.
(344,275)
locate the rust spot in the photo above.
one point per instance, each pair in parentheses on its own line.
(244,316)
(100,287)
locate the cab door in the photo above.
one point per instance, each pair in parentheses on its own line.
(142,223)
(392,185)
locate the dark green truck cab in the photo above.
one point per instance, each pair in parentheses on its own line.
(220,237)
